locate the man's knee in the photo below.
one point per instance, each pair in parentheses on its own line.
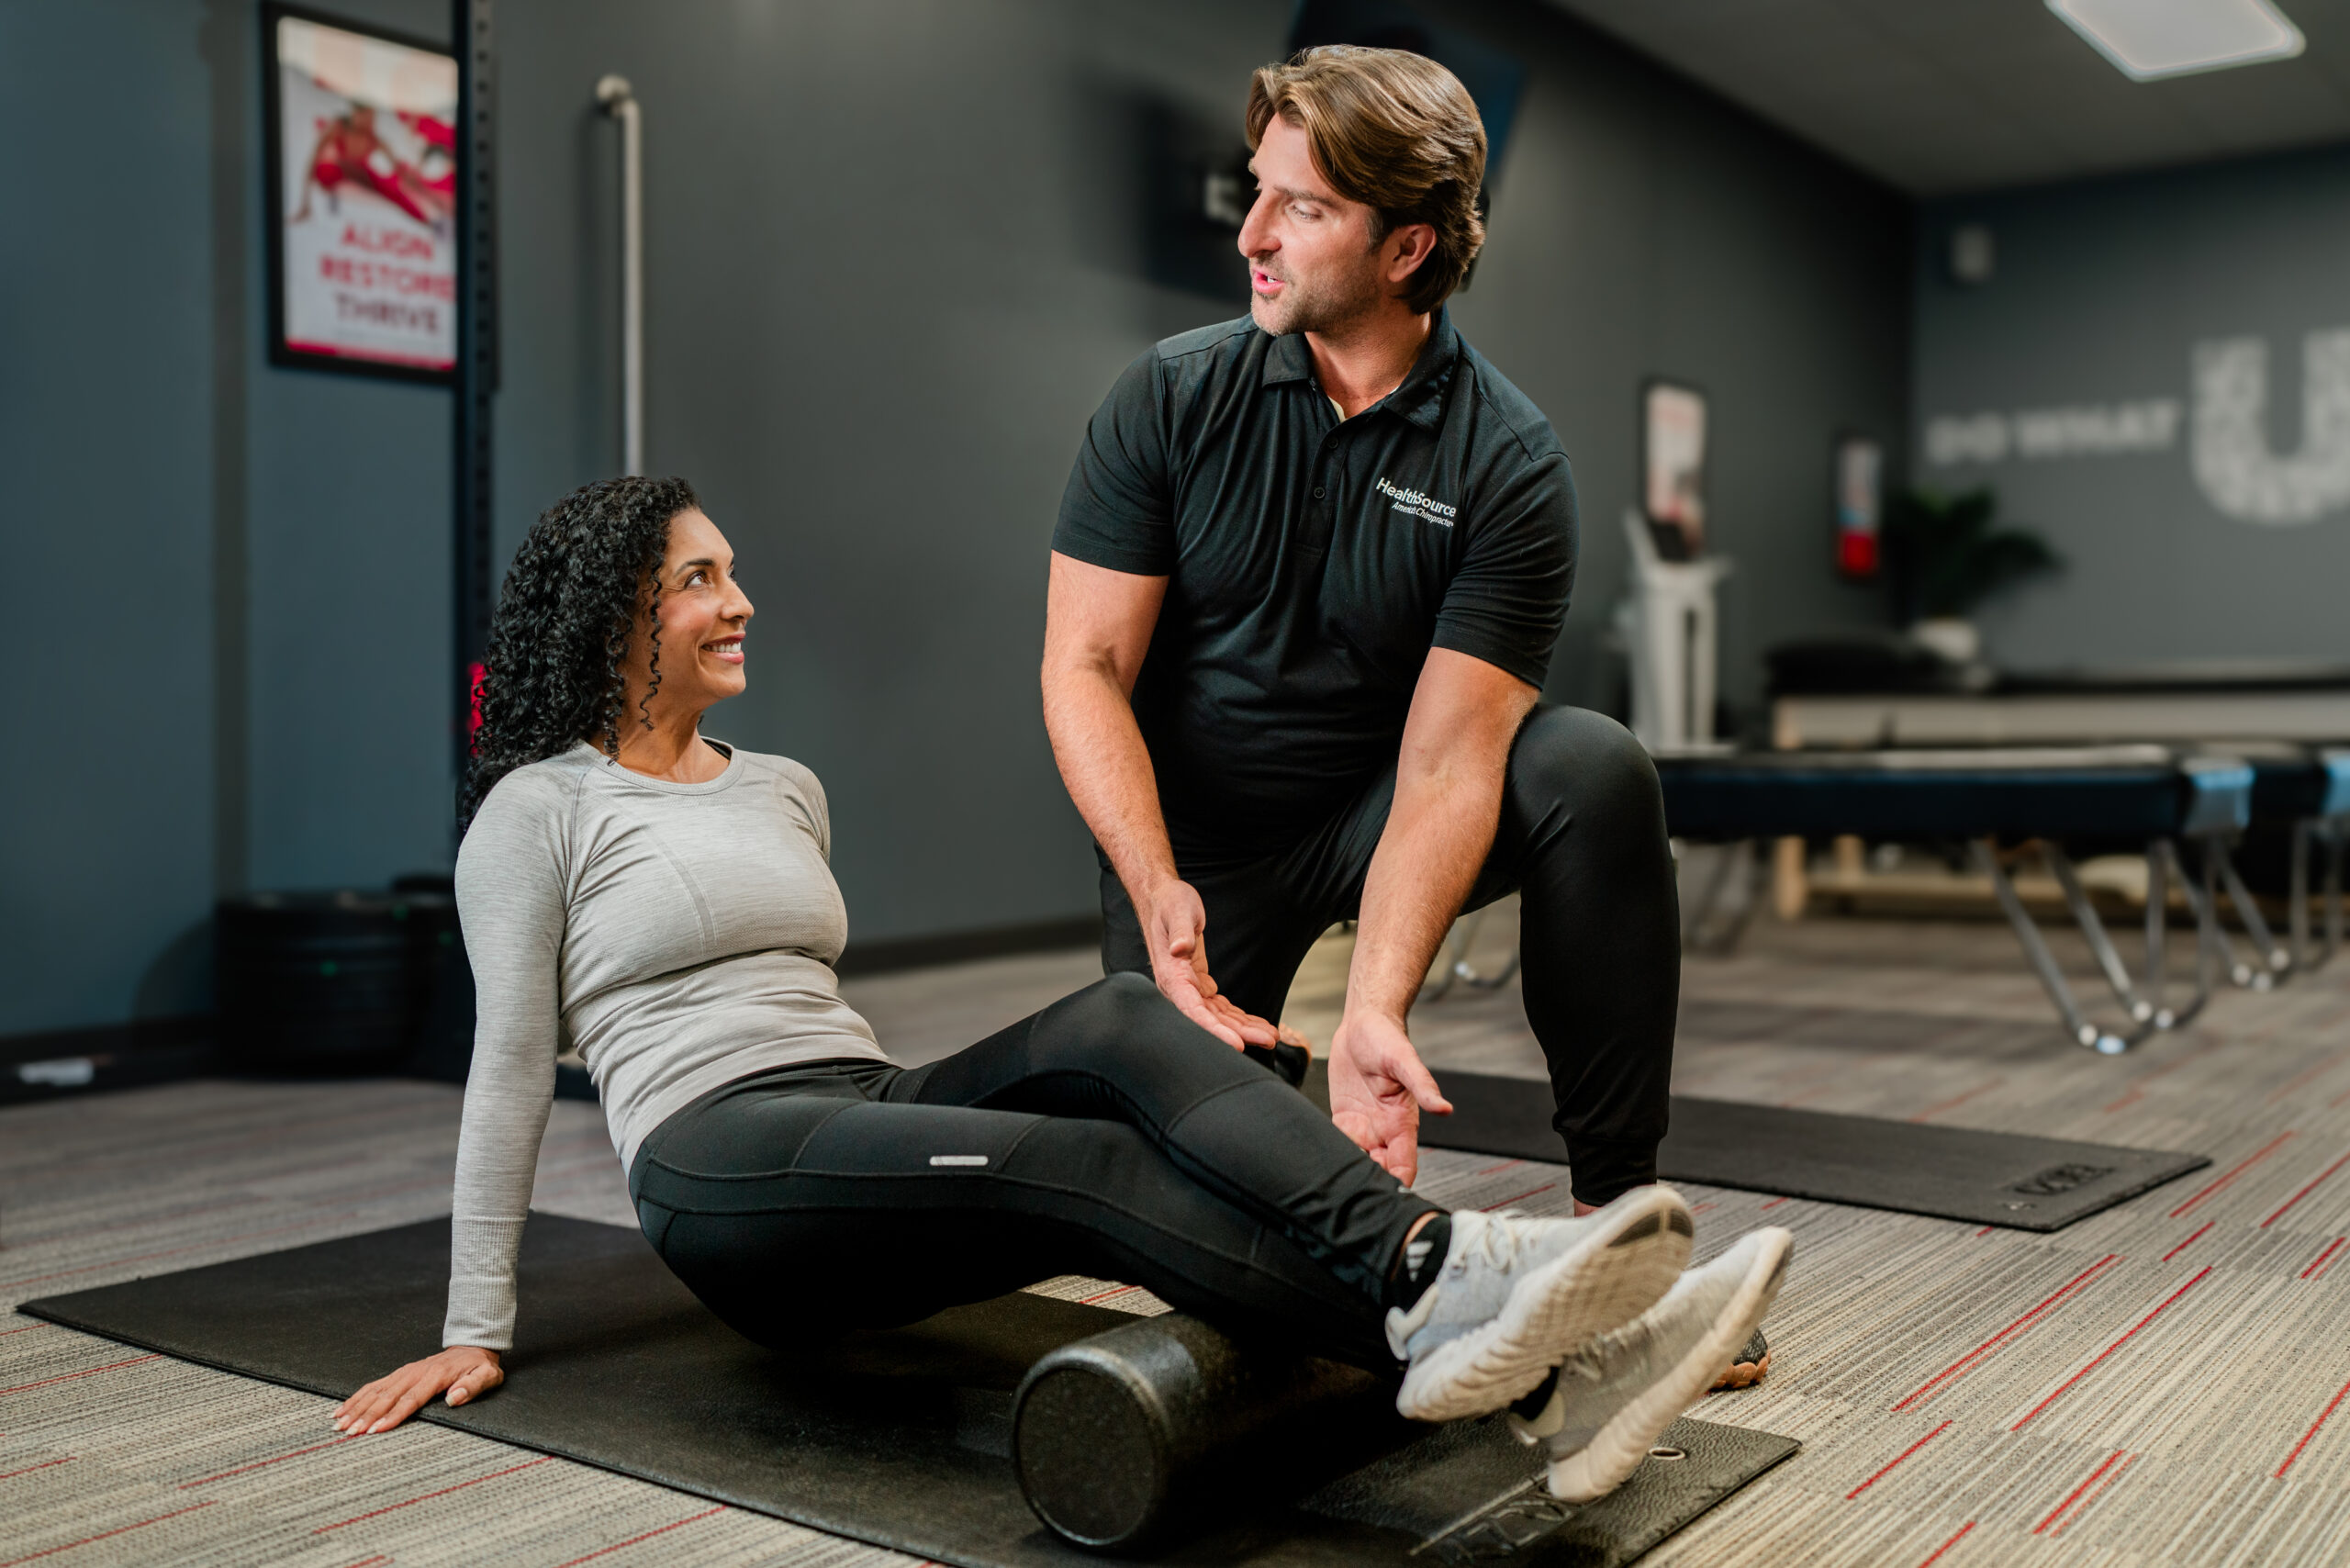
(1588,762)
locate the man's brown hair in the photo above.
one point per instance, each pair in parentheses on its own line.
(1394,131)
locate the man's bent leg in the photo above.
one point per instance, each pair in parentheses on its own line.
(1583,838)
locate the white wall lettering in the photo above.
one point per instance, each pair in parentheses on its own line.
(2228,437)
(1971,438)
(2150,424)
(2237,472)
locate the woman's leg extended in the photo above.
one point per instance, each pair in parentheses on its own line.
(792,1214)
(1119,1051)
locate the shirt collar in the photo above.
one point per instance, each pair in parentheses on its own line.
(1418,398)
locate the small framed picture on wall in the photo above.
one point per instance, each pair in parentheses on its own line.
(361,134)
(1860,505)
(1672,468)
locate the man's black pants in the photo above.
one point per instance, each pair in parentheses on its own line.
(1582,840)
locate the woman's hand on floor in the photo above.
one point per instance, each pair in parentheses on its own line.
(462,1372)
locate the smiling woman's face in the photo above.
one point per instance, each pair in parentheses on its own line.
(702,613)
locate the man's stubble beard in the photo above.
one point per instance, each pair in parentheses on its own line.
(1324,306)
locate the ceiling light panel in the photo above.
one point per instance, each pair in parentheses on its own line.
(2148,39)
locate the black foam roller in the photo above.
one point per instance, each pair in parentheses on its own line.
(1131,1438)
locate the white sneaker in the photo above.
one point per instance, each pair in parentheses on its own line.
(1616,1397)
(1516,1294)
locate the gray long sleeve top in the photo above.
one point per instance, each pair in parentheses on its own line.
(681,935)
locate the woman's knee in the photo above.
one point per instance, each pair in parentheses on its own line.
(1125,1011)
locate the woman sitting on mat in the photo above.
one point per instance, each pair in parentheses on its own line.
(663,902)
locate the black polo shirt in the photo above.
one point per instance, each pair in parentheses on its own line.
(1312,564)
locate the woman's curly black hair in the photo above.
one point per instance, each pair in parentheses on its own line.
(563,620)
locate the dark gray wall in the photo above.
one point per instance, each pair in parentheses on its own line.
(105,862)
(349,595)
(896,255)
(2103,293)
(1640,227)
(253,561)
(892,269)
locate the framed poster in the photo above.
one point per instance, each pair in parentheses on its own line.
(362,148)
(1860,505)
(1672,468)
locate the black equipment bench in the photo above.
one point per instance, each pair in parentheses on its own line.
(2145,794)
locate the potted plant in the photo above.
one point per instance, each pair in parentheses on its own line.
(1946,556)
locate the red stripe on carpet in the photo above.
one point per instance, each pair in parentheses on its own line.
(1905,1453)
(69,1377)
(105,1535)
(648,1535)
(1957,1100)
(1519,1198)
(2264,1152)
(424,1497)
(2074,1495)
(2298,1079)
(2075,1283)
(2125,1338)
(1105,1295)
(2074,1517)
(1945,1546)
(2321,1257)
(2305,1191)
(2323,1416)
(2189,1241)
(1494,1170)
(264,1464)
(27,1470)
(1775,1202)
(26,1330)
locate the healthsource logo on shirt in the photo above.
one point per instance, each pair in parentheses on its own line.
(1418,504)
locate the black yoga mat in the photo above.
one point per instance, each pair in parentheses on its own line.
(896,1439)
(2003,1179)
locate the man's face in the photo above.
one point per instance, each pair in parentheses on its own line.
(1312,267)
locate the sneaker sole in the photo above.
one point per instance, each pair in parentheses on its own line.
(1618,1449)
(1603,1284)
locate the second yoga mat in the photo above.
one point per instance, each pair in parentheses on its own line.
(1961,1173)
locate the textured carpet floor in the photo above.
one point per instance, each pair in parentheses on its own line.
(2157,1385)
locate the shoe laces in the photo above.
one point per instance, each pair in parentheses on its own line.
(1500,1242)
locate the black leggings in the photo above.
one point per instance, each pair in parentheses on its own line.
(1581,837)
(1107,1135)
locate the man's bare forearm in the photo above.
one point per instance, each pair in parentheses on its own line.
(1448,776)
(1099,748)
(1439,832)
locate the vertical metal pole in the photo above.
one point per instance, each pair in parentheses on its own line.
(2158,854)
(2298,893)
(620,101)
(2337,833)
(476,375)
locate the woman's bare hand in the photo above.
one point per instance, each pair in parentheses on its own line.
(462,1372)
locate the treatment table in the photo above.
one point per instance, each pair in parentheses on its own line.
(2145,794)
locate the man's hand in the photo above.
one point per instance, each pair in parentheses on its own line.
(462,1372)
(1174,925)
(1378,1089)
